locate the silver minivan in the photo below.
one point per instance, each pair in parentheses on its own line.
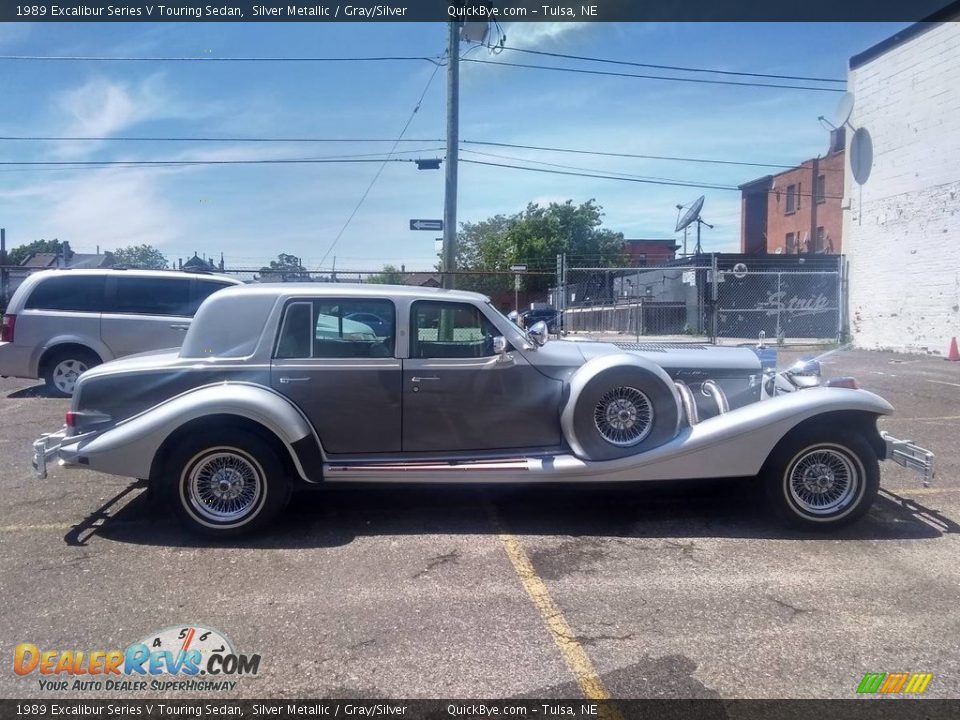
(59,323)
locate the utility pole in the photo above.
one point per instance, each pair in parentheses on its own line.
(449,262)
(815,171)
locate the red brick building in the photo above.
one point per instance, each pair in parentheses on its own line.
(798,210)
(650,251)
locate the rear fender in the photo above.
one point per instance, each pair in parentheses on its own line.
(129,448)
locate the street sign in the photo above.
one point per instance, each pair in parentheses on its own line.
(518,268)
(426,225)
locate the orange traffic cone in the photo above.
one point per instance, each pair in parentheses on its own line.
(954,353)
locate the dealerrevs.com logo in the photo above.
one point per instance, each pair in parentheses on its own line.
(185,658)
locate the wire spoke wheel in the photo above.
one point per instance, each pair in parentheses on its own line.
(224,485)
(623,416)
(65,374)
(823,480)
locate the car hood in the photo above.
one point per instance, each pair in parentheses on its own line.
(561,358)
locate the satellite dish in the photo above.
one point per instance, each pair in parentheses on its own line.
(844,109)
(861,155)
(691,215)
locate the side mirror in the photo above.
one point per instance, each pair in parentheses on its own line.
(539,332)
(500,346)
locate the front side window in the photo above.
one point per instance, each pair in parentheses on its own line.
(335,328)
(450,330)
(153,296)
(69,294)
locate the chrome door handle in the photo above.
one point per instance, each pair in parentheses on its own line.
(423,379)
(284,380)
(180,327)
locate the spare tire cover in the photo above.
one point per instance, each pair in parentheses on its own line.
(620,405)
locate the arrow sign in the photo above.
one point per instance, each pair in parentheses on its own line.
(518,268)
(426,225)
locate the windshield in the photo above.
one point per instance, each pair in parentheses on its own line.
(511,331)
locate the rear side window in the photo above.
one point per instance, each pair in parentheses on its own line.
(68,294)
(333,328)
(153,296)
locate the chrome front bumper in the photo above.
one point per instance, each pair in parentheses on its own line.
(914,457)
(49,445)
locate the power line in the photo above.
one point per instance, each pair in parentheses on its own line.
(490,143)
(610,73)
(436,60)
(376,176)
(678,183)
(176,163)
(677,68)
(604,153)
(583,169)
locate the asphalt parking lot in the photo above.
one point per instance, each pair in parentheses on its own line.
(676,591)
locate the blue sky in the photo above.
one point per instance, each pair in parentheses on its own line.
(250,213)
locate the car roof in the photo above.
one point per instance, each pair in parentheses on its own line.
(134,272)
(366,290)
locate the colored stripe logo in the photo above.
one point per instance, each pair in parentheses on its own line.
(893,683)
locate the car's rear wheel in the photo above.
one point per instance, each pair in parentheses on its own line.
(64,367)
(821,478)
(225,484)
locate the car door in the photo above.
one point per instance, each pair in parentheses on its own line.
(460,395)
(145,312)
(342,373)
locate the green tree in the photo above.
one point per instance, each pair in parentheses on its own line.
(143,257)
(390,275)
(286,268)
(20,253)
(535,237)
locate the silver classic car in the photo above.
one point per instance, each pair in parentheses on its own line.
(283,386)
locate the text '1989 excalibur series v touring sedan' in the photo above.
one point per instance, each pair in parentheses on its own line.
(294,385)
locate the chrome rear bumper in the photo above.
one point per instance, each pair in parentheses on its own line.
(914,457)
(49,445)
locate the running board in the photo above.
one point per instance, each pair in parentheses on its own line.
(505,469)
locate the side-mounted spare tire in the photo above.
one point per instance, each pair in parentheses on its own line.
(620,405)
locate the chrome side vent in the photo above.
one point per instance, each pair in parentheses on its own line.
(688,401)
(711,390)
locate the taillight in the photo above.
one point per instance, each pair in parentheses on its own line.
(70,419)
(843,382)
(6,329)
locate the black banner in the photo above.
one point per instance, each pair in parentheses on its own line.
(478,10)
(856,709)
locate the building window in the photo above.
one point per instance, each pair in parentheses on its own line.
(790,244)
(821,189)
(791,199)
(821,239)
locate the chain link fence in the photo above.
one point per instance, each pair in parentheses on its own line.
(708,298)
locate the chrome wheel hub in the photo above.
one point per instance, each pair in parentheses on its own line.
(823,481)
(224,486)
(624,416)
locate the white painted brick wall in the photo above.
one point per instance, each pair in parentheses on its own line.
(902,229)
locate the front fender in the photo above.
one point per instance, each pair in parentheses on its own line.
(129,448)
(735,444)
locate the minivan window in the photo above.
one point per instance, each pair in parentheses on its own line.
(152,296)
(202,289)
(69,294)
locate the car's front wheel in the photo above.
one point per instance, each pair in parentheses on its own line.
(225,484)
(822,478)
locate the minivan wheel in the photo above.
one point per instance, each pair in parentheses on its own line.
(225,484)
(64,367)
(822,478)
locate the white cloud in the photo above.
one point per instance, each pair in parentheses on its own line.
(536,34)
